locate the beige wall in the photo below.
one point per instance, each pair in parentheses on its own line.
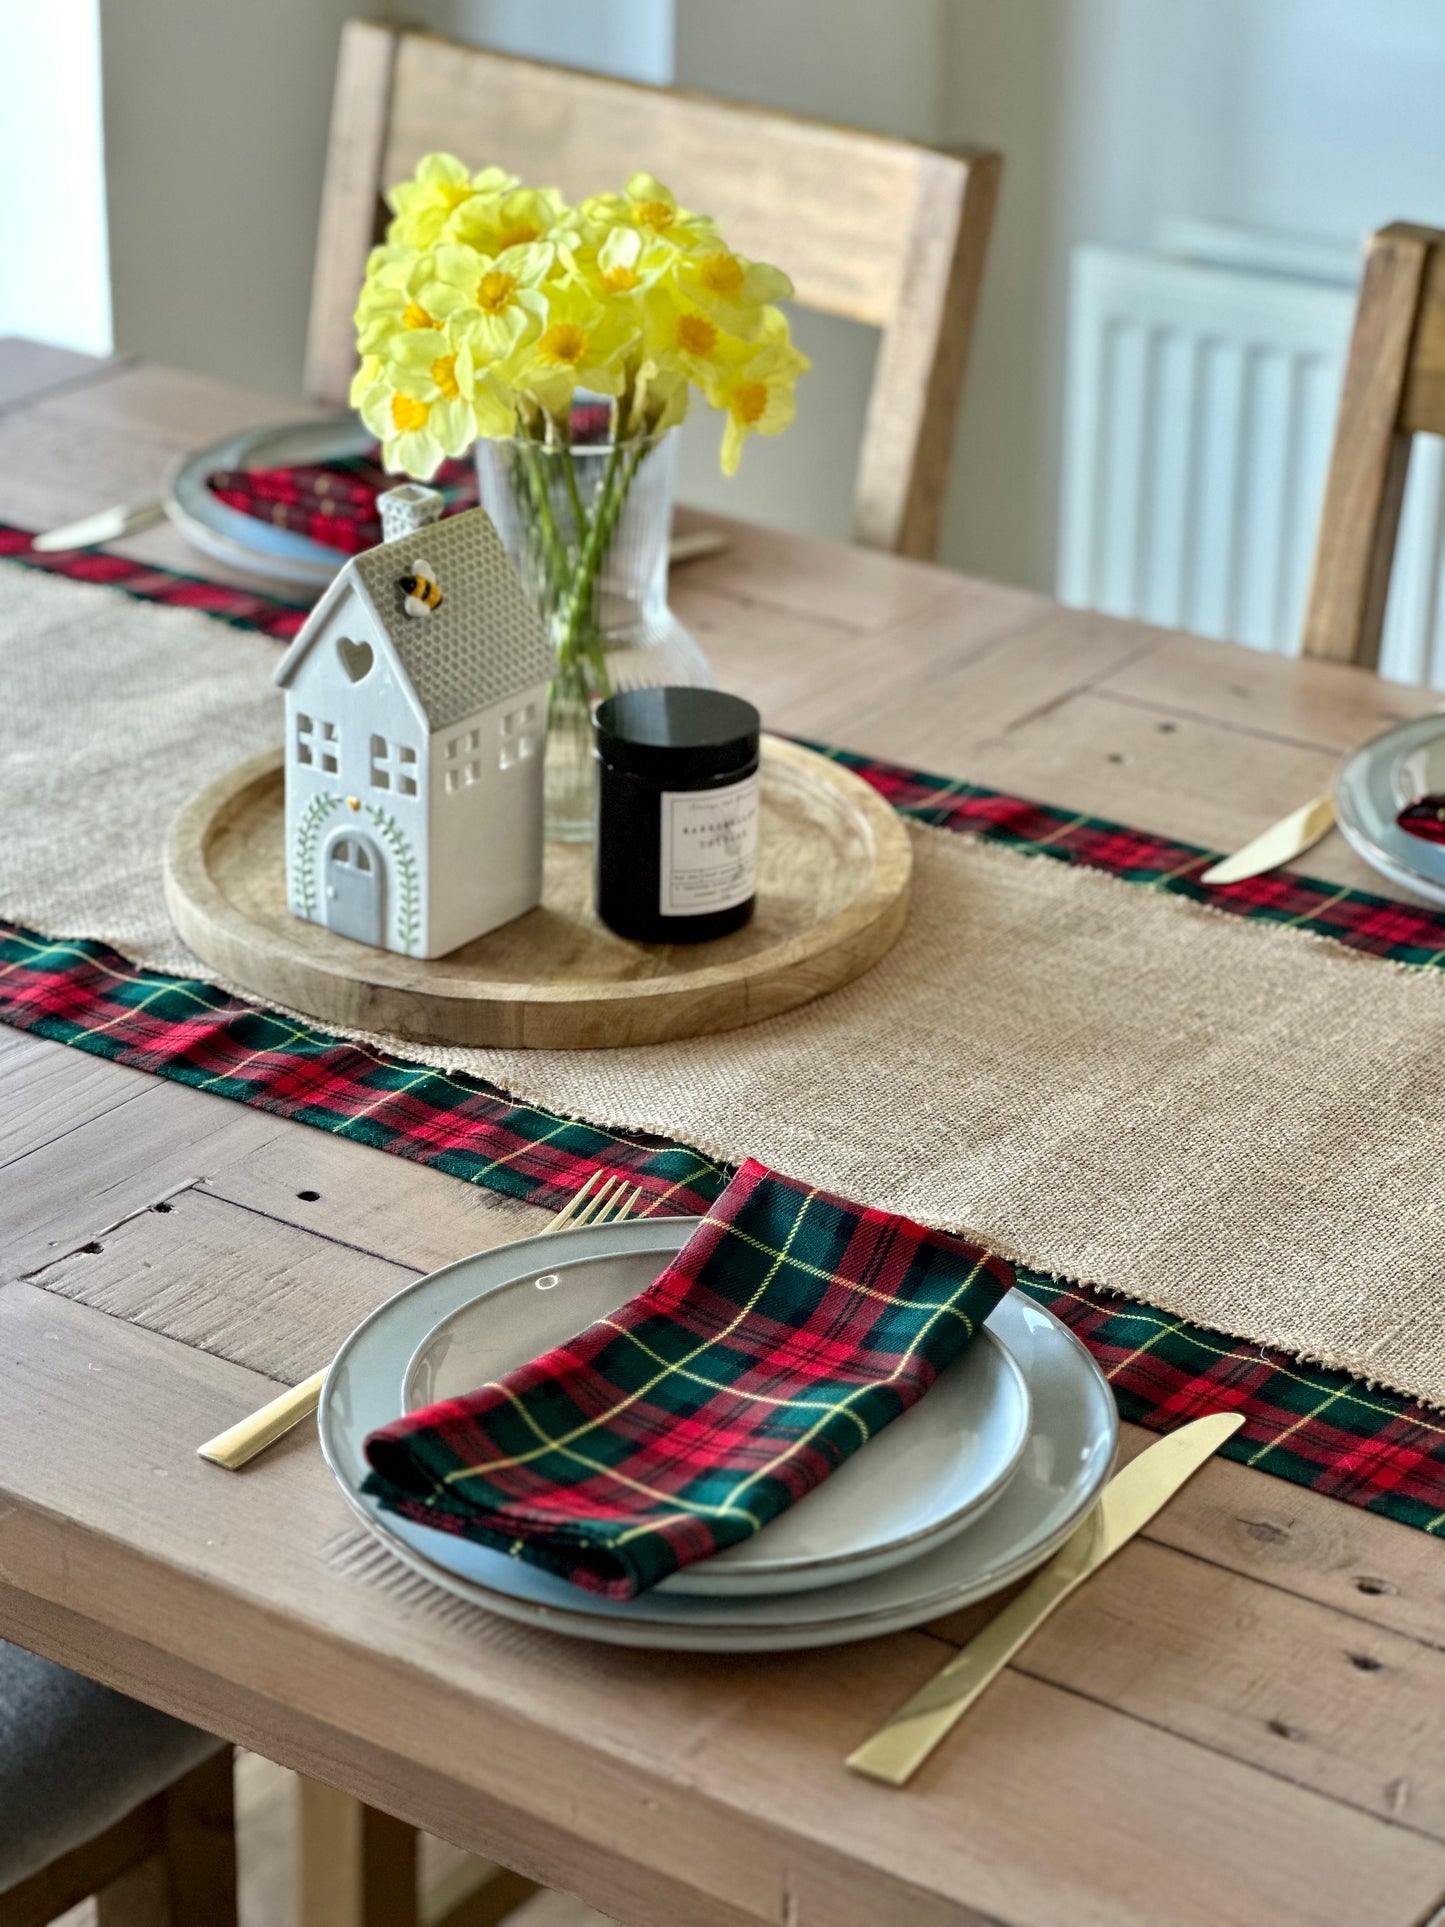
(215,128)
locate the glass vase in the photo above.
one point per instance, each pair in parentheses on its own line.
(587,529)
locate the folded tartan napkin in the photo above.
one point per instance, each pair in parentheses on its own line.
(334,503)
(791,1327)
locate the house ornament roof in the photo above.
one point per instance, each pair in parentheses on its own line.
(484,642)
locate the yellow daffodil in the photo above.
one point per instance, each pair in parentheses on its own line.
(441,184)
(649,206)
(494,223)
(496,299)
(622,266)
(757,392)
(682,336)
(729,289)
(659,400)
(389,305)
(492,303)
(583,345)
(365,379)
(428,401)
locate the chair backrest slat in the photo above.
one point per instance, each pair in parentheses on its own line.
(1394,389)
(880,231)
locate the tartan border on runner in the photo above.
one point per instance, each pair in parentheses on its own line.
(790,1329)
(1321,1429)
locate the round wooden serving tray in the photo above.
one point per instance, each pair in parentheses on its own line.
(833,871)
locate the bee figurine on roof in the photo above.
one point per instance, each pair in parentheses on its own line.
(416,727)
(421,590)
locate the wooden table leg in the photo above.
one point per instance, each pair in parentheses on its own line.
(358,1867)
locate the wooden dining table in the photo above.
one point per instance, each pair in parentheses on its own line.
(1239,1722)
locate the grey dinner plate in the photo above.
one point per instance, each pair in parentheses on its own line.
(1374,785)
(1067,1456)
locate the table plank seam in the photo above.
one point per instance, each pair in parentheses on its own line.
(1306,1787)
(1276,738)
(76,1124)
(87,378)
(204,1187)
(1151,1536)
(1089,685)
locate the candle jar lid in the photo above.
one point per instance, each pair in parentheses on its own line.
(678,734)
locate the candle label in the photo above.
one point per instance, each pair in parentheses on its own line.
(709,848)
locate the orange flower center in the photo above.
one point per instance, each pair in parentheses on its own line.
(696,335)
(564,341)
(620,280)
(750,398)
(721,273)
(408,413)
(495,291)
(444,374)
(656,214)
(414,315)
(517,237)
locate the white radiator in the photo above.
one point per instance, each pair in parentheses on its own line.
(1199,410)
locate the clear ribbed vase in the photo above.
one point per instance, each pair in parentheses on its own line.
(587,530)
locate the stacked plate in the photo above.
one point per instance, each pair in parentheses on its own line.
(245,541)
(1379,781)
(977,1484)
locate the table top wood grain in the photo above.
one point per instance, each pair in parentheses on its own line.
(1240,1721)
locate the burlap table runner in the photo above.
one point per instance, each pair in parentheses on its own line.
(1233,1122)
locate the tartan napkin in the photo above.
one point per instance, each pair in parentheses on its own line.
(791,1327)
(334,503)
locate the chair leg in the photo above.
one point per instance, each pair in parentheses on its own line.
(199,1854)
(137,1899)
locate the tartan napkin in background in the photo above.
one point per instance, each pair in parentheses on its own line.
(334,503)
(792,1327)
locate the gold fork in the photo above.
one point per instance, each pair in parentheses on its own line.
(610,1203)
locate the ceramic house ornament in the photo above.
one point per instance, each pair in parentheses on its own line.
(416,705)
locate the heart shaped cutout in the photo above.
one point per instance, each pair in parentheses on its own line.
(356,658)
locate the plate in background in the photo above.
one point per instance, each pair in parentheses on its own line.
(1375,784)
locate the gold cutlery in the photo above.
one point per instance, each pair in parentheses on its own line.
(107,525)
(1128,1502)
(1281,843)
(610,1203)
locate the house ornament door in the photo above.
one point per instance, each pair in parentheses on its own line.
(354,879)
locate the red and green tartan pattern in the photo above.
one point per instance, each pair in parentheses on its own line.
(335,504)
(1320,1429)
(789,1330)
(242,608)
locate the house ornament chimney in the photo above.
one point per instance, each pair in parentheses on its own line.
(408,508)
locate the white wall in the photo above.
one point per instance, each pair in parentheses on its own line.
(53,272)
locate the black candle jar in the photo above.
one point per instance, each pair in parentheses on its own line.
(677,814)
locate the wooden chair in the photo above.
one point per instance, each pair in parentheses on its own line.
(880,231)
(1394,389)
(103,1797)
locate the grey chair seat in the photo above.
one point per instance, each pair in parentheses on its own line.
(75,1758)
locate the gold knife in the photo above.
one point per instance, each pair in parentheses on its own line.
(1127,1503)
(108,525)
(1282,842)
